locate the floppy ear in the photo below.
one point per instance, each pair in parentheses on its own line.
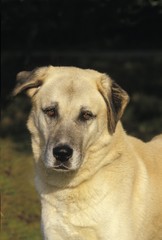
(116,100)
(30,81)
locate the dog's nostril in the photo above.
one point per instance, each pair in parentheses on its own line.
(62,153)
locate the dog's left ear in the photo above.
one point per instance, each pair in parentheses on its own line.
(30,81)
(116,100)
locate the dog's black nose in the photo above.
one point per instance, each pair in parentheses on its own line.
(62,153)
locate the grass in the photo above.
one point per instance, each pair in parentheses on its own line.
(20,206)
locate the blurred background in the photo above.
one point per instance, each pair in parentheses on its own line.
(121,38)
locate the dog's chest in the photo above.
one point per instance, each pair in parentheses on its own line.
(69,219)
(80,223)
(81,217)
(77,210)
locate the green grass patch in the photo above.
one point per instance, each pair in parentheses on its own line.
(20,205)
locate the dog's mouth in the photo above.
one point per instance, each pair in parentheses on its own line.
(61,167)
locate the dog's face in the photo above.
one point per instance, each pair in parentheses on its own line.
(72,109)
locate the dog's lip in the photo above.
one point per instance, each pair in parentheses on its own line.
(61,167)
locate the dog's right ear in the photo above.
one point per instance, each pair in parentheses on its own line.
(30,81)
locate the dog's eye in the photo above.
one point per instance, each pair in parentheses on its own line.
(50,112)
(86,115)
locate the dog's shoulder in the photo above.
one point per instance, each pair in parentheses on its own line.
(157,138)
(150,153)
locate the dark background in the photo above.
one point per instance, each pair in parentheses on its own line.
(121,38)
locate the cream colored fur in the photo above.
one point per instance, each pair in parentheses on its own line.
(113,187)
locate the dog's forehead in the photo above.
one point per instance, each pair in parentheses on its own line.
(71,75)
(67,84)
(71,71)
(70,81)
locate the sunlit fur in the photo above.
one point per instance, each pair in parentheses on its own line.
(112,189)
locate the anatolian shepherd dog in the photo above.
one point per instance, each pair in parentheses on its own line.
(95,182)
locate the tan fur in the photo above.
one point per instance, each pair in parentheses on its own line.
(112,187)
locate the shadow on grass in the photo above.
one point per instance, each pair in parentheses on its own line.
(13,123)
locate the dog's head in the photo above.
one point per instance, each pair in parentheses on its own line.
(72,110)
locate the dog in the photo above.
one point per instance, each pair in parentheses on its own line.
(95,182)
